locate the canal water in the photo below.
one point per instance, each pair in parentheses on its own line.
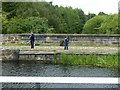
(35,68)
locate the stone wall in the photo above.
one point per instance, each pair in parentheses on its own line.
(77,39)
(10,54)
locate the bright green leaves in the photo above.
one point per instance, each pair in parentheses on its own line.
(35,24)
(102,24)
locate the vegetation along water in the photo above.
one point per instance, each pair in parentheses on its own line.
(89,60)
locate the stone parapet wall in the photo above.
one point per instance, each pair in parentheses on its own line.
(40,56)
(18,55)
(8,54)
(11,38)
(80,39)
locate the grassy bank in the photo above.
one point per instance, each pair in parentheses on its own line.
(89,60)
(14,44)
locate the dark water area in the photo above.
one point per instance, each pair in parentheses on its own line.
(33,68)
(55,86)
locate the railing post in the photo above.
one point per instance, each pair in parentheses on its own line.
(38,86)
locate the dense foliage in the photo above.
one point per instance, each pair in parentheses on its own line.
(110,25)
(102,24)
(92,26)
(43,17)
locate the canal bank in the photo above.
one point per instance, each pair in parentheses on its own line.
(83,56)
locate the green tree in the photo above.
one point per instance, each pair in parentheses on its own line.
(102,13)
(82,19)
(93,25)
(90,15)
(4,22)
(10,8)
(43,17)
(110,25)
(19,25)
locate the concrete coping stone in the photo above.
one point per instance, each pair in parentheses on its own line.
(67,53)
(37,53)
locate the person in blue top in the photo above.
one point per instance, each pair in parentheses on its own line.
(66,41)
(32,39)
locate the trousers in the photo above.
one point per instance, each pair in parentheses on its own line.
(32,43)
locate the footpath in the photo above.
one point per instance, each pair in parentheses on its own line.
(72,49)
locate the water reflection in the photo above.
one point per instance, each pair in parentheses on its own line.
(32,68)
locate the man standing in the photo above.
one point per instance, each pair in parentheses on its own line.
(66,40)
(32,36)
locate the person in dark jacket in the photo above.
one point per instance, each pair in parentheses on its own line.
(32,38)
(66,41)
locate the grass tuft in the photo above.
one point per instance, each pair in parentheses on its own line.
(89,60)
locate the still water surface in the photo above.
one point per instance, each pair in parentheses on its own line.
(33,68)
